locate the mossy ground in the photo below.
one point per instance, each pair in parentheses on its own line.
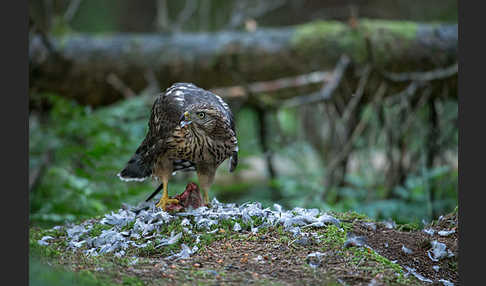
(272,256)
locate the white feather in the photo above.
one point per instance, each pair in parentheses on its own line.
(131,179)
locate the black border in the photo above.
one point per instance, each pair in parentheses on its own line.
(15,133)
(471,142)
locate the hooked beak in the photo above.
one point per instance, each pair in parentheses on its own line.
(185,119)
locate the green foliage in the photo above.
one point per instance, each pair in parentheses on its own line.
(43,275)
(407,203)
(412,203)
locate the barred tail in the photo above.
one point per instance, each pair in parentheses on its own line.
(233,161)
(135,170)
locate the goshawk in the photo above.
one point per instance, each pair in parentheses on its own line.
(190,129)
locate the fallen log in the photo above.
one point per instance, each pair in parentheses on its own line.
(82,65)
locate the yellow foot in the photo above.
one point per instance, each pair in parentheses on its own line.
(164,201)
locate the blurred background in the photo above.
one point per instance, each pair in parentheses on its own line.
(339,105)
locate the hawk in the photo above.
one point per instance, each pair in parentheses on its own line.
(190,129)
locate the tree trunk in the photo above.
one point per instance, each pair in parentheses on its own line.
(81,64)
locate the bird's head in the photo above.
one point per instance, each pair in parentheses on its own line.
(201,118)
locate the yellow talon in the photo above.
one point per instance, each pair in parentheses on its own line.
(164,200)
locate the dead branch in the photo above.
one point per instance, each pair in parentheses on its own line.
(358,94)
(326,91)
(118,84)
(243,11)
(162,19)
(412,117)
(71,10)
(186,13)
(274,85)
(356,133)
(423,76)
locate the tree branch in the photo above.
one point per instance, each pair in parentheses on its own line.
(326,91)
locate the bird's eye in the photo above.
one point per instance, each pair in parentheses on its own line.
(201,115)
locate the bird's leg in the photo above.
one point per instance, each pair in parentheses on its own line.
(206,196)
(164,200)
(206,177)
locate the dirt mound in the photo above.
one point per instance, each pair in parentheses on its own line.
(218,246)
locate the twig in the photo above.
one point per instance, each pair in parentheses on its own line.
(159,188)
(43,31)
(407,92)
(356,132)
(71,10)
(186,13)
(327,90)
(162,17)
(118,84)
(422,76)
(153,85)
(358,94)
(242,11)
(412,117)
(382,88)
(274,85)
(37,173)
(204,16)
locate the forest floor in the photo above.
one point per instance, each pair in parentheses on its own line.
(358,252)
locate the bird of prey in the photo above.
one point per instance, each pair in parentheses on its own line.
(190,129)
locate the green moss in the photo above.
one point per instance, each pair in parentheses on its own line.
(148,250)
(329,37)
(284,239)
(381,265)
(349,216)
(97,229)
(53,249)
(128,226)
(408,226)
(406,29)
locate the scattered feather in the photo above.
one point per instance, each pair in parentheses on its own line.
(406,250)
(438,251)
(429,231)
(146,222)
(417,275)
(237,227)
(353,240)
(370,225)
(314,259)
(446,282)
(446,232)
(390,224)
(43,240)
